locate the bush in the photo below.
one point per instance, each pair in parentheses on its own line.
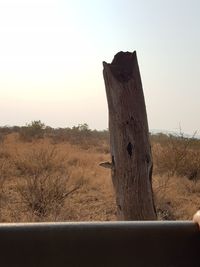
(34,130)
(44,183)
(43,195)
(81,136)
(38,160)
(5,173)
(177,156)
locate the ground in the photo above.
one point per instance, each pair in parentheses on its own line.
(45,179)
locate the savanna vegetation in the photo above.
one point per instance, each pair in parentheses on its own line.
(49,174)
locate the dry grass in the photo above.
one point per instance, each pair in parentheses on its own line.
(48,180)
(43,181)
(177,198)
(176,176)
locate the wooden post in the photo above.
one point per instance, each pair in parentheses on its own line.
(129,139)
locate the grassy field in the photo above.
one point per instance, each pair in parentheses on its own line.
(56,176)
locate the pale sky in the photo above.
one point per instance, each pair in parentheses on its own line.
(51,54)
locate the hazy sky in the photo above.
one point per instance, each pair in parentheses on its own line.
(51,54)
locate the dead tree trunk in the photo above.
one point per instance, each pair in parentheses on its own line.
(129,139)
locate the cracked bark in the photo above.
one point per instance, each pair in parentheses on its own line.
(129,138)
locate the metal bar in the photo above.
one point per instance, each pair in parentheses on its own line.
(105,244)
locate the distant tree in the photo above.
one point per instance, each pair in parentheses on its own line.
(83,127)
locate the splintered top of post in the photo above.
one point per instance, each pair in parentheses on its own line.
(122,65)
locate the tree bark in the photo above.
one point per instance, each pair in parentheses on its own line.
(129,139)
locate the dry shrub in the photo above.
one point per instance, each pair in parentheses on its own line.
(2,137)
(192,187)
(37,160)
(44,195)
(176,175)
(177,156)
(81,136)
(4,154)
(162,187)
(5,166)
(5,172)
(191,165)
(176,197)
(44,183)
(33,130)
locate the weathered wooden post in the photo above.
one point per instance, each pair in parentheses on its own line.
(129,138)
